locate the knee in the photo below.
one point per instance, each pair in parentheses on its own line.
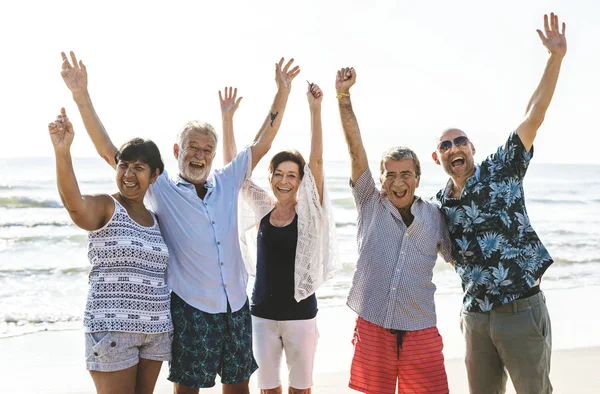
(179,389)
(276,390)
(299,391)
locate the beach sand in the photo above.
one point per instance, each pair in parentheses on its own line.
(52,361)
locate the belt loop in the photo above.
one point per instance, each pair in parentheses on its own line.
(515,307)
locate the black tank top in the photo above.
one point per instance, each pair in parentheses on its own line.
(273,294)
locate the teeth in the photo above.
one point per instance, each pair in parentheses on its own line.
(129,183)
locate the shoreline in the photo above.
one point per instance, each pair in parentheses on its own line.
(52,362)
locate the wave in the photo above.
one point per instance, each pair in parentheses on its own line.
(346,202)
(20,187)
(550,201)
(28,202)
(75,238)
(24,272)
(562,261)
(34,225)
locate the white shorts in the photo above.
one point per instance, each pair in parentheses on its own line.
(299,340)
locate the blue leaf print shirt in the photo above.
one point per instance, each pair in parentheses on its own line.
(497,253)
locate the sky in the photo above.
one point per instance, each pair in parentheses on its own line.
(422,66)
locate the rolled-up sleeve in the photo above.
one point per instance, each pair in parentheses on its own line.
(240,168)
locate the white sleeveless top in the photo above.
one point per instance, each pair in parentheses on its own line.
(317,255)
(127,291)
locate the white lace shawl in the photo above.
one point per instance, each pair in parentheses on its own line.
(316,251)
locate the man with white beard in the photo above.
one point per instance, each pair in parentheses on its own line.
(197,213)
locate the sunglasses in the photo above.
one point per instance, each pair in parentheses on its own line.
(459,142)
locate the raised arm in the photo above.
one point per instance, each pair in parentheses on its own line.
(88,212)
(263,140)
(556,43)
(75,77)
(229,104)
(315,161)
(346,77)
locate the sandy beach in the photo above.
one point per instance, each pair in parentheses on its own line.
(52,361)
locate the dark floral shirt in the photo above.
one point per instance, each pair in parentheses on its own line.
(497,253)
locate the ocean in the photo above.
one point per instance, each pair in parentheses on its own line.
(43,256)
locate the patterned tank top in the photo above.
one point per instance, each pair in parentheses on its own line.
(127,291)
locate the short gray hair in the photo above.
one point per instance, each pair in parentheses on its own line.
(398,153)
(196,125)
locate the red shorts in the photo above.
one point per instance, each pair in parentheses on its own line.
(418,365)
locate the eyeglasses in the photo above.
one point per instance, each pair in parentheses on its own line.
(458,142)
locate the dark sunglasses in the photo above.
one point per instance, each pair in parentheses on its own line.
(458,142)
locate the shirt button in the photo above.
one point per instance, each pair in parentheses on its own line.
(205,204)
(406,234)
(113,344)
(224,286)
(218,243)
(213,222)
(222,263)
(393,289)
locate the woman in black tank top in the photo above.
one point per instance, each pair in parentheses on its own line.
(280,320)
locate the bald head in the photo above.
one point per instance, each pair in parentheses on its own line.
(449,134)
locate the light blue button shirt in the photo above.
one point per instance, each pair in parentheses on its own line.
(205,263)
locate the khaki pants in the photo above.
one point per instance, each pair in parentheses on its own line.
(514,337)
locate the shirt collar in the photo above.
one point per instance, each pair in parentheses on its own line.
(180,181)
(450,183)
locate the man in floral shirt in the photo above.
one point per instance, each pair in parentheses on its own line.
(497,254)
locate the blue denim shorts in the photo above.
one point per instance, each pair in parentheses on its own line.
(109,351)
(206,344)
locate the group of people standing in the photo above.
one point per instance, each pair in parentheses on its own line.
(198,316)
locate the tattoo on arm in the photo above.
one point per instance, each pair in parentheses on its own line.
(273,117)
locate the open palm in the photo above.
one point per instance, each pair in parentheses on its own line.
(229,100)
(284,76)
(75,74)
(553,38)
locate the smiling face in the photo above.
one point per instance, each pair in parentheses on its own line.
(399,181)
(134,178)
(195,156)
(458,161)
(285,181)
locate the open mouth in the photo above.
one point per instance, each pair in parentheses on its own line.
(198,165)
(283,189)
(399,194)
(458,161)
(130,184)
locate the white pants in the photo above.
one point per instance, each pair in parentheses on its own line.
(299,340)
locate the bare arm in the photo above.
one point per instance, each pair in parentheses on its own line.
(229,105)
(346,77)
(88,212)
(75,77)
(315,161)
(265,136)
(556,44)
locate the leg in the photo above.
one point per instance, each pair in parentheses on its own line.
(147,373)
(374,367)
(300,339)
(292,390)
(155,349)
(485,369)
(112,359)
(268,349)
(118,382)
(237,388)
(421,367)
(525,344)
(238,362)
(180,389)
(197,347)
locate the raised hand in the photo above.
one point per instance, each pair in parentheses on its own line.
(346,77)
(553,39)
(230,103)
(284,76)
(75,74)
(314,95)
(61,131)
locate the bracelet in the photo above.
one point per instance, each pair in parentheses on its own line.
(342,95)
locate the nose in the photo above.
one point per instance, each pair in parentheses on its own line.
(128,171)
